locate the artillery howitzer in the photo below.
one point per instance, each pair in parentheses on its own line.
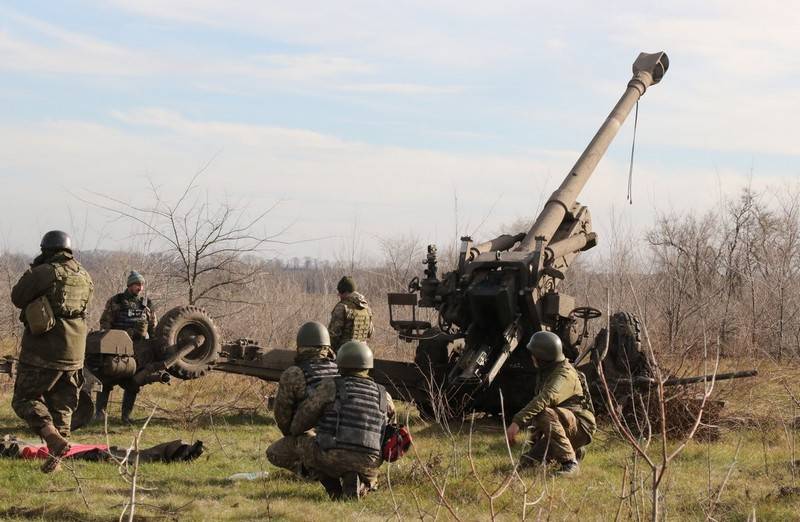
(503,290)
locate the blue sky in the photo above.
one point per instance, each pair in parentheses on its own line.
(378,113)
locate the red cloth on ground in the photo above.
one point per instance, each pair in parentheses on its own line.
(40,451)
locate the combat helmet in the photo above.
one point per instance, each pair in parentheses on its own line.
(56,240)
(354,355)
(546,347)
(313,333)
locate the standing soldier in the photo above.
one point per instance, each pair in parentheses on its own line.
(53,295)
(133,312)
(314,361)
(349,414)
(351,318)
(560,413)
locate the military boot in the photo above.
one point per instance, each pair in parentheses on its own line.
(353,488)
(128,400)
(101,405)
(57,447)
(333,487)
(568,468)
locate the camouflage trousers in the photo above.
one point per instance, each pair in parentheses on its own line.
(43,396)
(288,452)
(302,455)
(556,435)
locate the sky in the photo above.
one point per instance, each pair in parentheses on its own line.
(381,120)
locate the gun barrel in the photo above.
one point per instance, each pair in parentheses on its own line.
(648,69)
(678,381)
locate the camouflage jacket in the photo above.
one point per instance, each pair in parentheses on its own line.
(558,385)
(292,387)
(126,311)
(311,409)
(351,318)
(62,347)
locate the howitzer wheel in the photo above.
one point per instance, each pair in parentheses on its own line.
(623,361)
(181,323)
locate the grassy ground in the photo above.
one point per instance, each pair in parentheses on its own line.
(751,469)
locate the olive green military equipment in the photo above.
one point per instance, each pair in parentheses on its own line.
(39,316)
(313,333)
(505,289)
(546,347)
(354,355)
(72,291)
(346,285)
(56,240)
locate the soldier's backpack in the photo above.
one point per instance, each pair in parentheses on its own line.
(396,442)
(72,290)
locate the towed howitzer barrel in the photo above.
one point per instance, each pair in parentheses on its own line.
(648,69)
(156,371)
(680,381)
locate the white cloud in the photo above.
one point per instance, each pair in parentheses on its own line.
(327,182)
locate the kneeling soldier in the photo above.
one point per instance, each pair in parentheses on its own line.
(349,414)
(560,413)
(314,361)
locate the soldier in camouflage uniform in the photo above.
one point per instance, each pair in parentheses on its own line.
(351,318)
(561,412)
(314,361)
(349,414)
(134,313)
(53,295)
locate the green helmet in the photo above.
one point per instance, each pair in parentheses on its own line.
(313,333)
(354,355)
(546,347)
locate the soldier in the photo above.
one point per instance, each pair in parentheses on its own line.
(560,413)
(349,414)
(351,318)
(134,313)
(314,361)
(53,295)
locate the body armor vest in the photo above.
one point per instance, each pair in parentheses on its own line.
(356,327)
(72,290)
(129,314)
(357,418)
(317,369)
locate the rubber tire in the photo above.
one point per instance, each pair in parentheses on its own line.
(625,356)
(190,320)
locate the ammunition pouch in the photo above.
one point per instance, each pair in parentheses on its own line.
(39,316)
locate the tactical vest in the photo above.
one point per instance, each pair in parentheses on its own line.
(72,290)
(317,369)
(580,402)
(357,325)
(357,418)
(129,314)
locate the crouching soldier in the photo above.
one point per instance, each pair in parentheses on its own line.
(133,312)
(53,295)
(560,413)
(349,414)
(314,361)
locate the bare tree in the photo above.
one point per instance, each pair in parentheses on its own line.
(207,242)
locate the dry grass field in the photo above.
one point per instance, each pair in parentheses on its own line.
(751,472)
